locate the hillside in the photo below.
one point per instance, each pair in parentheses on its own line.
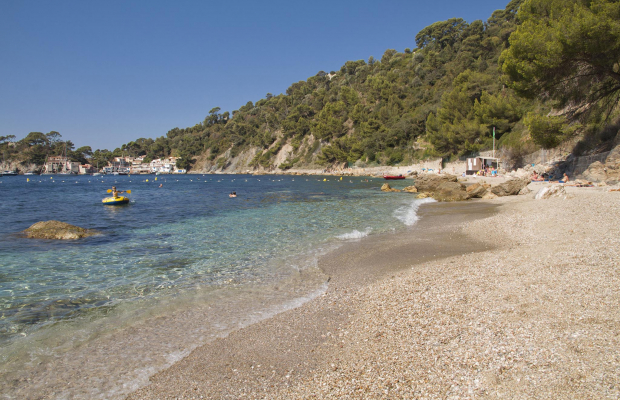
(385,111)
(446,97)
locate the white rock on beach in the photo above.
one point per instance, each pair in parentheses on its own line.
(551,191)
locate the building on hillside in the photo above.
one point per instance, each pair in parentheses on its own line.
(119,165)
(164,166)
(86,169)
(60,164)
(138,160)
(141,168)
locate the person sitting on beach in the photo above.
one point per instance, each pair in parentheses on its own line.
(564,178)
(537,178)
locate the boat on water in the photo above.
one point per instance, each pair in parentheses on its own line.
(8,173)
(115,201)
(392,177)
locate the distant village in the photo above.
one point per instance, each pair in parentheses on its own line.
(118,166)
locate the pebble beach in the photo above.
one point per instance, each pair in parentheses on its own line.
(508,298)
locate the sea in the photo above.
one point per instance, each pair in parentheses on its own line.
(180,265)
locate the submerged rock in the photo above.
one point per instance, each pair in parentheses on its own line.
(57,230)
(388,188)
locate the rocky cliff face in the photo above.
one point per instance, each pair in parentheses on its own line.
(240,163)
(609,171)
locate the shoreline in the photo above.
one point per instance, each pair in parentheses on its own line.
(526,306)
(290,342)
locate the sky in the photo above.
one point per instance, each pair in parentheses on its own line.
(104,73)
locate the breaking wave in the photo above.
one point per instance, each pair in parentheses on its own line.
(408,214)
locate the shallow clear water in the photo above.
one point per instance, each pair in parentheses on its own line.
(181,246)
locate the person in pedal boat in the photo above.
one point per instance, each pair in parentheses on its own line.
(115,192)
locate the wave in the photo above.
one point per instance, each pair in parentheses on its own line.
(408,214)
(355,234)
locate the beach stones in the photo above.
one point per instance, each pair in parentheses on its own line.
(57,230)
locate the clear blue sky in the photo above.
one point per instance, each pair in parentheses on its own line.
(103,73)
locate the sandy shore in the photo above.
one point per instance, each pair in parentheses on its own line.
(506,298)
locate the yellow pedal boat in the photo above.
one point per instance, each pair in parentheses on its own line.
(115,201)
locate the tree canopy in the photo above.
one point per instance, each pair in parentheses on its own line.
(568,50)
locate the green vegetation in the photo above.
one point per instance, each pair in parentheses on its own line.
(36,146)
(443,98)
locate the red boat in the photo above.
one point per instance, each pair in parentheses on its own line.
(393,177)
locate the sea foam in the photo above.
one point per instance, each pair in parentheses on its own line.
(408,214)
(355,234)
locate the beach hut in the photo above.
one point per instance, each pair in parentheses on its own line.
(480,163)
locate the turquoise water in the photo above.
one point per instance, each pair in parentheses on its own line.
(178,247)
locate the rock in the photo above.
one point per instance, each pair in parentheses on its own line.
(476,190)
(57,230)
(489,195)
(411,189)
(423,195)
(430,182)
(551,191)
(509,188)
(387,188)
(525,190)
(451,191)
(596,172)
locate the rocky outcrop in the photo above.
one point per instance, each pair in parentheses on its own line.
(489,195)
(388,188)
(551,191)
(477,190)
(410,189)
(450,191)
(430,182)
(57,230)
(596,172)
(509,188)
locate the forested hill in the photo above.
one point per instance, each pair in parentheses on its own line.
(533,73)
(441,98)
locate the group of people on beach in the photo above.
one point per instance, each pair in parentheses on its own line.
(535,177)
(488,171)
